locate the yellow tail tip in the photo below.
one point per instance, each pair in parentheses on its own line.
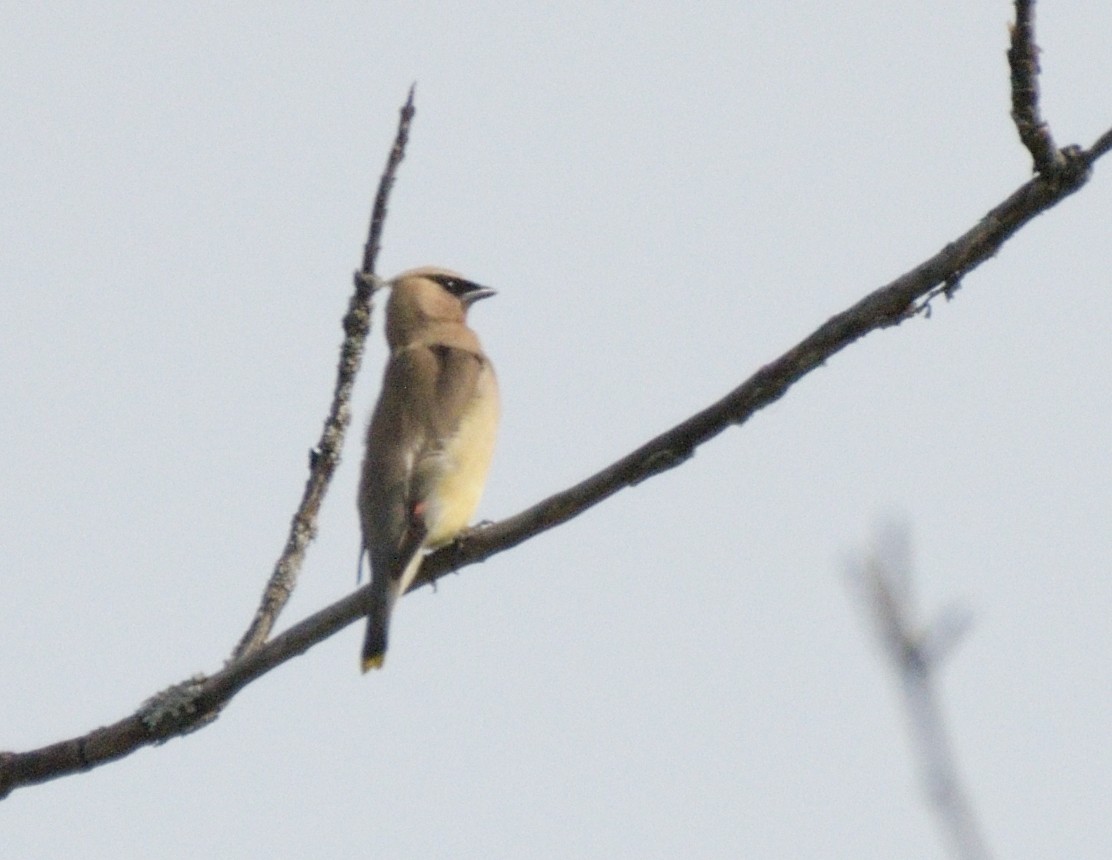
(375,661)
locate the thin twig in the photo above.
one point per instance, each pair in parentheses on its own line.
(386,185)
(1102,146)
(324,459)
(885,581)
(1023,59)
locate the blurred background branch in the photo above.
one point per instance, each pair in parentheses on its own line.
(916,651)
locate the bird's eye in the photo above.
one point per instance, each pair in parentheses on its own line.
(456,286)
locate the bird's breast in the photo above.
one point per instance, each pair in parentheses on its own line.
(463,463)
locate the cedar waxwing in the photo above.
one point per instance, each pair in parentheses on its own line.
(430,439)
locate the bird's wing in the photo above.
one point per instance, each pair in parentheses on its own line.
(456,373)
(425,393)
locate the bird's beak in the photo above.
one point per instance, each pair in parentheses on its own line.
(469,298)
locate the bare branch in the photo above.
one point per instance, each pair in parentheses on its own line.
(1023,59)
(1102,145)
(890,305)
(177,710)
(324,459)
(884,580)
(386,184)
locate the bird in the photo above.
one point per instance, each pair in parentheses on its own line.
(430,439)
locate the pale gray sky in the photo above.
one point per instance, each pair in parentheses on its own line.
(667,196)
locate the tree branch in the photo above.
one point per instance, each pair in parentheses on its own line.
(915,652)
(890,305)
(1023,59)
(324,459)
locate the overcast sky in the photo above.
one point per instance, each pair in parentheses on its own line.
(666,196)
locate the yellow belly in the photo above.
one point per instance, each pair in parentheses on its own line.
(464,462)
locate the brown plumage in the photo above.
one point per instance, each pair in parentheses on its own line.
(430,439)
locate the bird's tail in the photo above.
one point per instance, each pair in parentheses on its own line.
(378,619)
(378,626)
